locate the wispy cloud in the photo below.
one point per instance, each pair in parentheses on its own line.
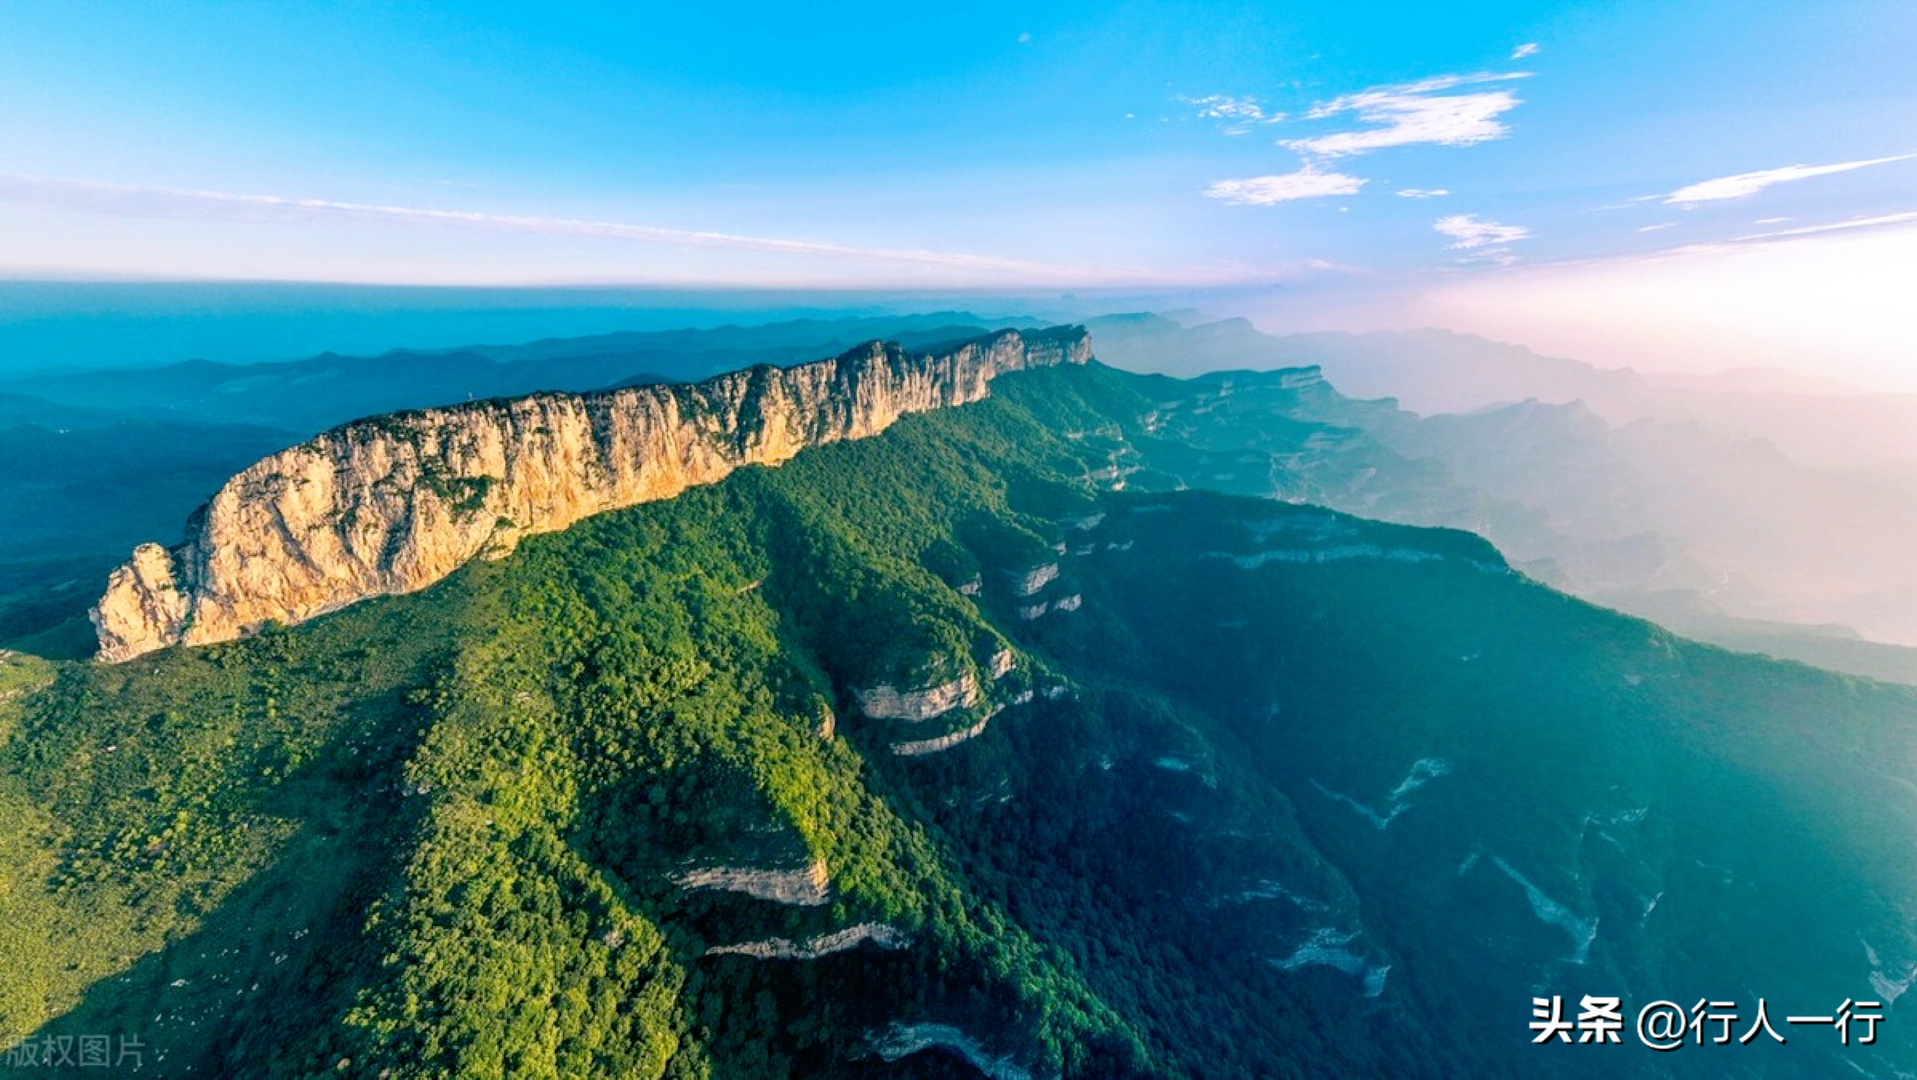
(1881,221)
(1529,48)
(1404,114)
(1750,183)
(1413,113)
(1467,233)
(1240,114)
(1306,183)
(130,201)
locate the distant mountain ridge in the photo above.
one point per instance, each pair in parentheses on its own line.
(310,395)
(1440,371)
(1599,482)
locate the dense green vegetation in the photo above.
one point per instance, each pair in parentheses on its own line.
(1278,794)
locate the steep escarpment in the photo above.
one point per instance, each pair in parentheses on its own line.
(395,503)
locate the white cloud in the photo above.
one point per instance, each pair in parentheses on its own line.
(1657,227)
(1404,114)
(1306,183)
(129,201)
(1904,218)
(1414,113)
(1241,114)
(1750,183)
(1529,48)
(1468,233)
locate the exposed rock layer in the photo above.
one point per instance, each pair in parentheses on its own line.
(920,747)
(879,934)
(927,703)
(807,886)
(395,503)
(904,1040)
(1030,581)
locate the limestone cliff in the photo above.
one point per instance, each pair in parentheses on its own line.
(809,886)
(891,703)
(395,503)
(879,934)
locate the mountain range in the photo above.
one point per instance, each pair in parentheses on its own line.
(1659,502)
(1067,729)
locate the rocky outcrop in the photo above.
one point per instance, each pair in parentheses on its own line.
(1028,582)
(931,702)
(1028,612)
(395,503)
(807,886)
(879,934)
(920,747)
(143,603)
(904,1040)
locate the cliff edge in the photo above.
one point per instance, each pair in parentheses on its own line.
(394,503)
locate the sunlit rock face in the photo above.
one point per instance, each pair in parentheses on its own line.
(395,503)
(806,886)
(1031,581)
(891,703)
(143,601)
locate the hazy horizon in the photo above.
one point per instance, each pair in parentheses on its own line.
(1672,187)
(49,326)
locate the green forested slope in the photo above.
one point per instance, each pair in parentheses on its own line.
(1265,790)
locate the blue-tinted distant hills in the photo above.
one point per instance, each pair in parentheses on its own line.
(1816,422)
(81,325)
(316,393)
(1602,483)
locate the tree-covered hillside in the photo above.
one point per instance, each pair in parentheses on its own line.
(955,751)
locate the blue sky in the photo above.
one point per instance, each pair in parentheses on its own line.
(1381,162)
